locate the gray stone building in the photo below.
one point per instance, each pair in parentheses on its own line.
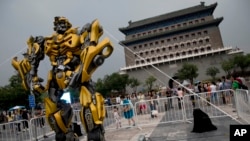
(160,45)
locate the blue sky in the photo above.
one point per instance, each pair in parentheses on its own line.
(23,18)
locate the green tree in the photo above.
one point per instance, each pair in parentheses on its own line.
(118,82)
(241,61)
(113,82)
(134,83)
(102,88)
(188,71)
(13,94)
(227,66)
(212,71)
(149,82)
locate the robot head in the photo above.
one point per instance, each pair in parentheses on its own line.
(61,25)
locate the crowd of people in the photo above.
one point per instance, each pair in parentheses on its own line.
(19,118)
(149,102)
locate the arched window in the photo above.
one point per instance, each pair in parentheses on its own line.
(194,43)
(152,51)
(153,59)
(171,55)
(157,50)
(196,51)
(177,54)
(208,48)
(137,62)
(165,57)
(207,40)
(182,45)
(190,52)
(170,48)
(139,46)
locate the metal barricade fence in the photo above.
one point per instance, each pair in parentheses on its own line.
(242,99)
(147,112)
(39,128)
(212,103)
(14,131)
(161,110)
(110,122)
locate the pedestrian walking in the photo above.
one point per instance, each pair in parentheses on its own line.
(25,118)
(128,111)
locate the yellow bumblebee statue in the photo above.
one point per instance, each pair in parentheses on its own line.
(74,56)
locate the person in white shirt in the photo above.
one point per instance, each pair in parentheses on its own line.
(118,99)
(213,88)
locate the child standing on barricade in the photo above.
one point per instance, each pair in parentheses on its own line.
(142,104)
(117,117)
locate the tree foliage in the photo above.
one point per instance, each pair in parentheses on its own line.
(227,66)
(149,82)
(241,61)
(13,94)
(188,71)
(113,82)
(212,71)
(134,83)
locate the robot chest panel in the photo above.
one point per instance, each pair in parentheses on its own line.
(60,44)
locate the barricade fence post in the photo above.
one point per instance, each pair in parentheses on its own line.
(242,104)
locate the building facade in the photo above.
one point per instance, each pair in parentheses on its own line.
(160,45)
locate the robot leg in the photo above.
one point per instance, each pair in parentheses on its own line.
(60,120)
(92,114)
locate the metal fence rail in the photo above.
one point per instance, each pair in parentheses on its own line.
(168,110)
(211,103)
(14,131)
(243,104)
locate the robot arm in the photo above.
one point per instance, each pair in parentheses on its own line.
(27,67)
(94,52)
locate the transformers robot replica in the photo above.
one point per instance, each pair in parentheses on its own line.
(74,56)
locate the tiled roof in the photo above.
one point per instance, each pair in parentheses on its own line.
(171,15)
(214,22)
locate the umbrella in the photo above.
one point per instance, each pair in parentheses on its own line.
(16,107)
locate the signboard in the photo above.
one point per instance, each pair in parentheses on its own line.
(32,102)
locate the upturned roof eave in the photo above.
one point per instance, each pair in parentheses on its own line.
(167,16)
(213,22)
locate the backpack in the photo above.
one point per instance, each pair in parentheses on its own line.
(242,86)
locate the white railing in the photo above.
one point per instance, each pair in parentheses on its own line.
(242,101)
